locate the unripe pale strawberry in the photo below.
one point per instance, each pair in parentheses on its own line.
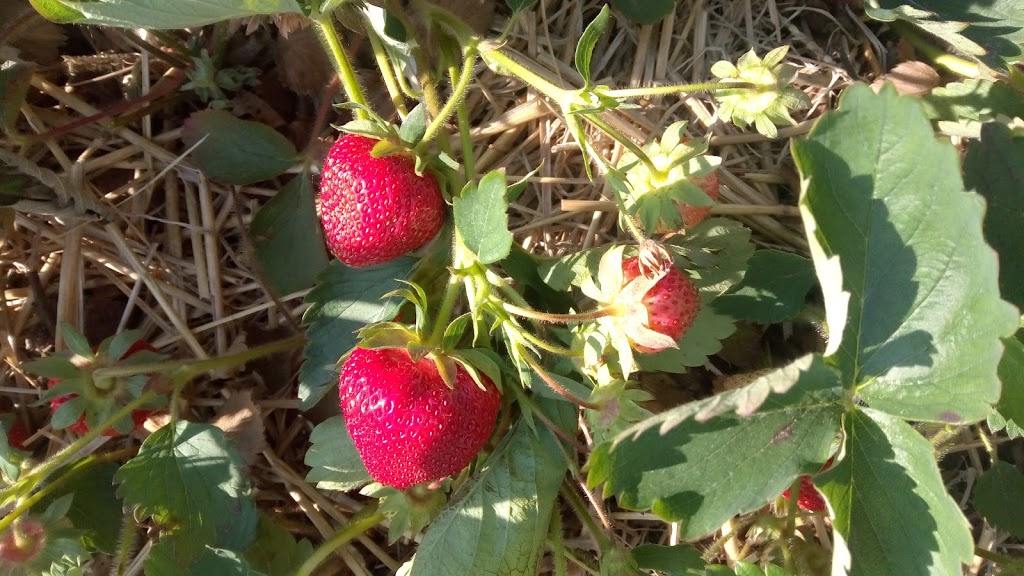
(408,426)
(693,215)
(22,541)
(374,210)
(672,303)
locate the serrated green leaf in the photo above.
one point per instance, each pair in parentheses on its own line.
(999,496)
(95,509)
(670,560)
(973,99)
(989,30)
(414,126)
(335,463)
(891,511)
(703,339)
(155,13)
(275,552)
(161,561)
(773,289)
(189,478)
(588,40)
(236,151)
(286,238)
(728,244)
(694,463)
(499,523)
(343,301)
(644,11)
(924,317)
(481,217)
(994,167)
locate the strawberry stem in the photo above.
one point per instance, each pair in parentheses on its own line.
(601,537)
(641,92)
(546,377)
(189,369)
(366,518)
(557,318)
(332,45)
(557,542)
(444,313)
(387,72)
(458,94)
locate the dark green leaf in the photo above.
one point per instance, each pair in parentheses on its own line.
(75,340)
(588,40)
(892,513)
(57,367)
(670,560)
(343,301)
(275,552)
(14,84)
(719,249)
(923,316)
(335,464)
(499,523)
(236,151)
(156,14)
(694,463)
(973,99)
(1011,374)
(481,217)
(286,238)
(644,11)
(773,289)
(414,125)
(68,413)
(189,479)
(524,268)
(994,167)
(161,561)
(989,30)
(999,496)
(95,509)
(520,5)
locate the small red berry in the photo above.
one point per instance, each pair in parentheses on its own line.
(374,210)
(22,541)
(17,435)
(809,498)
(408,426)
(672,303)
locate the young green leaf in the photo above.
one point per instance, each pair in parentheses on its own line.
(644,11)
(499,523)
(414,125)
(778,427)
(774,288)
(236,151)
(189,479)
(588,40)
(150,14)
(925,317)
(481,217)
(95,509)
(343,301)
(994,167)
(286,238)
(892,513)
(333,459)
(275,552)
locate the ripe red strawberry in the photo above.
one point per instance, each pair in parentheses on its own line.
(17,434)
(809,498)
(375,209)
(22,541)
(407,424)
(80,427)
(693,215)
(672,303)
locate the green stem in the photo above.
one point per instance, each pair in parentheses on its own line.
(458,92)
(468,162)
(587,567)
(604,542)
(626,93)
(387,73)
(626,218)
(547,346)
(790,525)
(510,66)
(444,313)
(126,545)
(990,446)
(367,518)
(558,318)
(627,143)
(952,63)
(332,44)
(546,377)
(192,368)
(557,542)
(994,556)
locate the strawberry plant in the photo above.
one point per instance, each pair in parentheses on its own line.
(489,402)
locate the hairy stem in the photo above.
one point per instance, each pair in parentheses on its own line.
(367,518)
(557,318)
(332,44)
(458,93)
(546,377)
(676,89)
(387,73)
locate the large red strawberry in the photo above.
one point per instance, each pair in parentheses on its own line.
(693,215)
(375,209)
(407,424)
(672,303)
(80,427)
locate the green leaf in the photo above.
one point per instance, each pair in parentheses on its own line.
(924,314)
(520,5)
(236,151)
(275,552)
(481,217)
(498,524)
(1011,375)
(989,30)
(670,560)
(588,40)
(95,509)
(892,513)
(75,340)
(994,167)
(157,14)
(644,11)
(999,496)
(774,288)
(57,367)
(703,339)
(56,11)
(162,561)
(414,126)
(973,99)
(286,238)
(343,301)
(719,249)
(14,84)
(335,463)
(694,463)
(524,268)
(190,480)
